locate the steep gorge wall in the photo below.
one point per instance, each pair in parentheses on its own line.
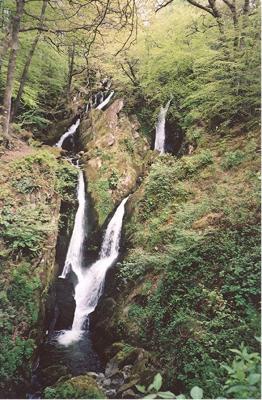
(115,156)
(192,233)
(33,184)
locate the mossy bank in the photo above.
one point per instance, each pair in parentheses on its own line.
(187,289)
(33,183)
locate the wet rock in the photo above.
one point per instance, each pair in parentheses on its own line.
(111,394)
(111,368)
(66,304)
(106,382)
(110,140)
(127,369)
(50,375)
(94,374)
(118,379)
(127,386)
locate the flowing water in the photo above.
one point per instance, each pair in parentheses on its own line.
(74,257)
(73,348)
(69,132)
(91,280)
(105,102)
(160,129)
(99,100)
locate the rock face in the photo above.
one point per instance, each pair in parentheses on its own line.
(114,156)
(126,367)
(33,183)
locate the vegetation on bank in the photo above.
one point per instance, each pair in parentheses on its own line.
(32,187)
(189,283)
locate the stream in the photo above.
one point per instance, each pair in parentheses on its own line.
(68,349)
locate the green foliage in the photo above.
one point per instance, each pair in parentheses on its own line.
(113,180)
(129,145)
(212,80)
(104,203)
(153,390)
(80,387)
(66,179)
(24,229)
(13,353)
(22,290)
(244,374)
(197,241)
(29,198)
(30,174)
(232,159)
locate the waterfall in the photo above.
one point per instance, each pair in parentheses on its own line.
(91,283)
(74,253)
(68,133)
(105,102)
(160,128)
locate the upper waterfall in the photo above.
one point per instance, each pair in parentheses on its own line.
(91,282)
(106,101)
(74,253)
(160,129)
(68,133)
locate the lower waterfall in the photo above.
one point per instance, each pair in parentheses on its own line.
(91,281)
(74,253)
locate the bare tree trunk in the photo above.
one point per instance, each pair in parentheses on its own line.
(11,69)
(246,10)
(5,44)
(71,58)
(24,75)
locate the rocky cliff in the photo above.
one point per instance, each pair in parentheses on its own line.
(33,184)
(115,156)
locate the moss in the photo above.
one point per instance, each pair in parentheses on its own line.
(188,287)
(113,158)
(32,187)
(103,201)
(80,387)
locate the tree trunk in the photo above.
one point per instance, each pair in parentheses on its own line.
(246,10)
(71,58)
(24,75)
(5,44)
(11,69)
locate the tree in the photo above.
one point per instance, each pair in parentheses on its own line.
(16,20)
(24,75)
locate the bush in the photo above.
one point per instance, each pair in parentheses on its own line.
(80,387)
(233,159)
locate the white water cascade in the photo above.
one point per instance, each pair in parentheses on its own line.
(160,129)
(68,133)
(106,101)
(91,281)
(74,255)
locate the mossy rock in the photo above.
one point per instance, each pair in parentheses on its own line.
(79,387)
(50,375)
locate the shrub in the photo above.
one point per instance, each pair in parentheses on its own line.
(233,159)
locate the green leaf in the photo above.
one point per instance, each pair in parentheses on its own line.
(253,379)
(157,383)
(181,396)
(150,396)
(196,393)
(141,388)
(236,389)
(166,395)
